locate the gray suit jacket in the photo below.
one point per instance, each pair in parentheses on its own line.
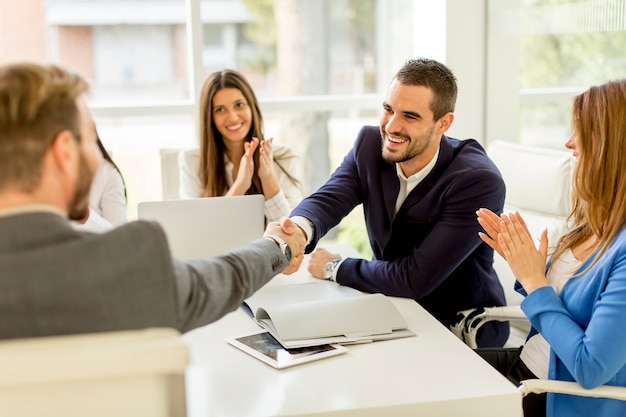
(56,280)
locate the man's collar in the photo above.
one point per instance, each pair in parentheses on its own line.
(422,173)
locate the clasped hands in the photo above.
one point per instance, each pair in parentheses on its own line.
(295,238)
(509,236)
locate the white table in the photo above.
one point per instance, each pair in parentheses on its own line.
(433,374)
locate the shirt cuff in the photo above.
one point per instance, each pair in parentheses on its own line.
(333,277)
(306,225)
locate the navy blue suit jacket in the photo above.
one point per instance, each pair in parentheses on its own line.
(431,251)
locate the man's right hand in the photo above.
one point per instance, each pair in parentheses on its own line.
(295,238)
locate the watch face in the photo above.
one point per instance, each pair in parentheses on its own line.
(328,269)
(288,252)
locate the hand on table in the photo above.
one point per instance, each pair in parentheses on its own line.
(318,259)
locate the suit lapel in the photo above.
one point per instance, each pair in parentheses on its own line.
(391,188)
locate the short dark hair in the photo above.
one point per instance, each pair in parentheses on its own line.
(434,75)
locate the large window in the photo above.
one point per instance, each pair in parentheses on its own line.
(542,53)
(318,67)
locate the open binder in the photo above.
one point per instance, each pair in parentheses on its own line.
(324,312)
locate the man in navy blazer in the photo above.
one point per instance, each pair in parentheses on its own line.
(420,191)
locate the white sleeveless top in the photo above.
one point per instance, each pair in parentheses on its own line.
(536,352)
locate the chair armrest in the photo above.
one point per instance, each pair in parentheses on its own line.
(538,386)
(470,321)
(504,313)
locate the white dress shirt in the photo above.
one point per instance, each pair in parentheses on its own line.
(276,207)
(536,351)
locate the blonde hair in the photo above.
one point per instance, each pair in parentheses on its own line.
(212,168)
(36,103)
(599,184)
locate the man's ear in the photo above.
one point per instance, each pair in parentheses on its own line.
(445,122)
(64,150)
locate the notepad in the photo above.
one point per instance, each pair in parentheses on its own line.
(311,314)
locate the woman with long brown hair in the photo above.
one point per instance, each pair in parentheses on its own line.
(234,158)
(577,304)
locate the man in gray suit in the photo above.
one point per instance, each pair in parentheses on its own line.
(56,280)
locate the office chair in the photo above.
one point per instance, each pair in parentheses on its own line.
(169,173)
(538,185)
(126,373)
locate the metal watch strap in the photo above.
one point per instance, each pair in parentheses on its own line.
(331,266)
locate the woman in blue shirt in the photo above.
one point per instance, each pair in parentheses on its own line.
(577,305)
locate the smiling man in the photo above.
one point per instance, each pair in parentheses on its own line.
(420,191)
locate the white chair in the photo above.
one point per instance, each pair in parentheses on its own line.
(538,186)
(169,173)
(126,373)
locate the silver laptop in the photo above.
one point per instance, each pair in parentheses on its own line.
(202,227)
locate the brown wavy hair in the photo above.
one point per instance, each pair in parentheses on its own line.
(599,183)
(212,168)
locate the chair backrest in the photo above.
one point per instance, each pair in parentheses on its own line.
(169,173)
(133,373)
(538,186)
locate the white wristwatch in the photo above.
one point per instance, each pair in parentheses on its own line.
(329,268)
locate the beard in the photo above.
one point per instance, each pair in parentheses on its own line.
(416,146)
(79,206)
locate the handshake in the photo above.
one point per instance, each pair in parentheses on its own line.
(295,237)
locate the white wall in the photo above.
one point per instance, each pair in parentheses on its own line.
(454,32)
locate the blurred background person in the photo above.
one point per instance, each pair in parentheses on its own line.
(107,198)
